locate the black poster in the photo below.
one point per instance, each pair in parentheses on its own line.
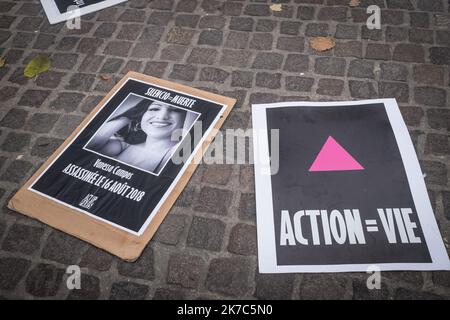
(125,161)
(346,190)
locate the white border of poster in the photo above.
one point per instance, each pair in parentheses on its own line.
(55,16)
(264,207)
(172,185)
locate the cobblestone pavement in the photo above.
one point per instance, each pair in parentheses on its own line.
(206,248)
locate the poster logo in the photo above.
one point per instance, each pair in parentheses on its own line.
(333,157)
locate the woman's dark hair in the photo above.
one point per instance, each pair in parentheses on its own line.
(132,133)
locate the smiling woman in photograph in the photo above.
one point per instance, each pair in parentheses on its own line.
(142,135)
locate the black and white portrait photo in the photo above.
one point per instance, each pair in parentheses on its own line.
(143,133)
(62,10)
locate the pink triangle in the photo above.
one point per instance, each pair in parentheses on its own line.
(333,157)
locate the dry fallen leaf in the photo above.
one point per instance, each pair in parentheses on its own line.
(2,62)
(276,7)
(322,44)
(105,77)
(354,3)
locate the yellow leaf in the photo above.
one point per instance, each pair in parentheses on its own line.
(37,65)
(105,77)
(276,7)
(2,62)
(322,43)
(354,3)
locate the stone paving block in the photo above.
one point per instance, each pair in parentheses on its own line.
(33,98)
(90,289)
(299,83)
(396,34)
(265,25)
(155,69)
(160,18)
(187,20)
(211,6)
(44,280)
(394,72)
(2,224)
(232,8)
(128,291)
(63,248)
(240,49)
(274,286)
(429,74)
(247,207)
(14,119)
(378,51)
(438,118)
(237,40)
(441,278)
(15,142)
(361,292)
(206,234)
(183,72)
(268,80)
(202,56)
(142,268)
(16,171)
(446,202)
(399,91)
(130,32)
(174,52)
(362,69)
(44,146)
(213,75)
(243,240)
(12,270)
(213,200)
(436,172)
(412,115)
(96,259)
(362,89)
(22,238)
(317,30)
(235,58)
(406,294)
(261,41)
(437,144)
(211,37)
(430,5)
(349,49)
(296,63)
(409,53)
(412,278)
(430,96)
(81,82)
(168,294)
(294,44)
(171,229)
(440,55)
(330,87)
(242,79)
(218,174)
(330,66)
